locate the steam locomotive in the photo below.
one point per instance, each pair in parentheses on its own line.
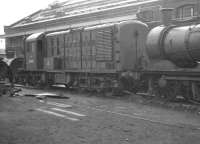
(163,61)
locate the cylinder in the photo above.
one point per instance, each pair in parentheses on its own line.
(180,45)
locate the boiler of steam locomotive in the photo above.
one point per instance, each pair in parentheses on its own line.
(174,54)
(179,44)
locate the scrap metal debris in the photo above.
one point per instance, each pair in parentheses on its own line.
(8,89)
(47,94)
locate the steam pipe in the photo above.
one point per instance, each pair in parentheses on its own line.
(166,16)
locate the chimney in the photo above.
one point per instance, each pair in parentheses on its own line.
(166,16)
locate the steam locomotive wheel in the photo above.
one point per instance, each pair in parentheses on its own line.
(186,90)
(168,92)
(195,86)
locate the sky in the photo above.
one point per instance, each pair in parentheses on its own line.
(14,10)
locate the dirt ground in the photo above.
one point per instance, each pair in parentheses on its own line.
(93,120)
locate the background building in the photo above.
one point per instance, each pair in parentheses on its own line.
(64,15)
(2,47)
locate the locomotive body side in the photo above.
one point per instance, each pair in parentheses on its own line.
(93,56)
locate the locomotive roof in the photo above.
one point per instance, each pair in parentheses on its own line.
(34,36)
(57,33)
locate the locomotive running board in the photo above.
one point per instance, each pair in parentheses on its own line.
(182,78)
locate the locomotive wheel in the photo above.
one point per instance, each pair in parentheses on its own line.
(167,92)
(186,90)
(174,87)
(195,86)
(170,93)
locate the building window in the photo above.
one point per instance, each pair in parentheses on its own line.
(146,15)
(52,46)
(186,11)
(58,46)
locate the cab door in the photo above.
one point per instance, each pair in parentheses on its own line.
(40,54)
(34,51)
(31,56)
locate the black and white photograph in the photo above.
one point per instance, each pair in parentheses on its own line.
(100,72)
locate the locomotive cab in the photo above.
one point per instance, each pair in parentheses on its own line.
(34,51)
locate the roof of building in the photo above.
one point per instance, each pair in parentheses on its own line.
(73,15)
(69,8)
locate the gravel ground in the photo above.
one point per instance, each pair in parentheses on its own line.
(106,121)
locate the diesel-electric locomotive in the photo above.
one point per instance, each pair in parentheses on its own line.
(163,61)
(95,57)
